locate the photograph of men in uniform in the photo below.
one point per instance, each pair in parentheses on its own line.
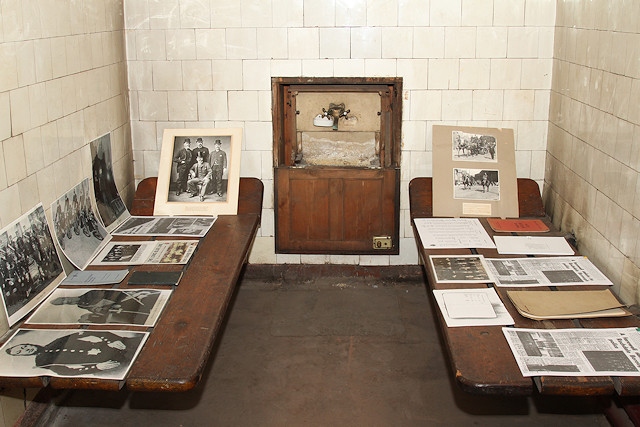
(183,161)
(194,180)
(218,166)
(199,177)
(102,306)
(67,353)
(30,267)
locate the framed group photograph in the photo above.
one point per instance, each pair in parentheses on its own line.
(199,172)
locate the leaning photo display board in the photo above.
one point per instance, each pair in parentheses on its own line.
(474,172)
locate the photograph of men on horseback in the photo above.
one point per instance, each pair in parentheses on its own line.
(473,147)
(476,184)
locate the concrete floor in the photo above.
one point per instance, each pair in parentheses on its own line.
(330,351)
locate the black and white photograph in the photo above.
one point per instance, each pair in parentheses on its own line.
(201,169)
(194,226)
(70,353)
(79,233)
(146,252)
(198,172)
(80,306)
(476,184)
(111,208)
(30,267)
(471,147)
(460,269)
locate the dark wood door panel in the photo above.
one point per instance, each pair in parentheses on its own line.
(338,211)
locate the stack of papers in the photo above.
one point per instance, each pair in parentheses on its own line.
(532,245)
(541,305)
(472,307)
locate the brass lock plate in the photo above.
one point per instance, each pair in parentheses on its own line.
(382,242)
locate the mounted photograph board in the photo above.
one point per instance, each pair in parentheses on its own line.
(220,148)
(474,172)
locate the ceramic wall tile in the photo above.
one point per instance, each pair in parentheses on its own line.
(320,14)
(272,43)
(382,13)
(351,13)
(508,13)
(5,116)
(303,43)
(477,13)
(241,43)
(227,75)
(317,67)
(428,42)
(366,42)
(243,105)
(443,74)
(475,74)
(460,42)
(211,44)
(491,42)
(288,13)
(445,13)
(335,42)
(413,13)
(397,42)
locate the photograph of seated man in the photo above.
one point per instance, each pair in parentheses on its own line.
(199,177)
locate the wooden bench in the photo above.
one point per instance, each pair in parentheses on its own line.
(179,346)
(481,359)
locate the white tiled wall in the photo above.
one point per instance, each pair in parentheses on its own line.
(62,85)
(209,63)
(593,158)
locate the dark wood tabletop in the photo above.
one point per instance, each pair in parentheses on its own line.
(179,346)
(480,357)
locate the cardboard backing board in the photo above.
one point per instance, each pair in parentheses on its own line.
(474,172)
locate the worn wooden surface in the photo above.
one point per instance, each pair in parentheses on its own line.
(179,346)
(480,356)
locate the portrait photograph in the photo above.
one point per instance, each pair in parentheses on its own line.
(30,267)
(86,306)
(111,208)
(199,172)
(69,353)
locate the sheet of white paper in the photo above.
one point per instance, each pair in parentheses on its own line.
(452,233)
(532,245)
(502,316)
(95,277)
(468,305)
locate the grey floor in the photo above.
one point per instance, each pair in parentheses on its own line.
(325,352)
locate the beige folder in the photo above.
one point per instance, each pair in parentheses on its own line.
(541,305)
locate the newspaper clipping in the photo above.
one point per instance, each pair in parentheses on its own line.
(575,352)
(146,252)
(545,271)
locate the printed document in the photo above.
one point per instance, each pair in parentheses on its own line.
(545,271)
(575,352)
(452,233)
(532,245)
(472,307)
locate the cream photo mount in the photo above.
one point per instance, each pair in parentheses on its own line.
(220,195)
(474,172)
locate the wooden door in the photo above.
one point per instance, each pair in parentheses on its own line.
(336,210)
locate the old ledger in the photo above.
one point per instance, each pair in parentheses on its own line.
(541,305)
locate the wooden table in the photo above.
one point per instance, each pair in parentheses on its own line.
(480,357)
(179,346)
